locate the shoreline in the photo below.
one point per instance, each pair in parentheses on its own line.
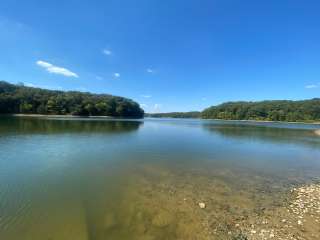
(111,117)
(233,120)
(261,121)
(67,116)
(54,115)
(298,218)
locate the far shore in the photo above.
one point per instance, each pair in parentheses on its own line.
(67,116)
(261,121)
(56,116)
(244,120)
(111,117)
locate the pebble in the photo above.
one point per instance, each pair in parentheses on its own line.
(202,205)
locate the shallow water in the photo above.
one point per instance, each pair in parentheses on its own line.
(100,179)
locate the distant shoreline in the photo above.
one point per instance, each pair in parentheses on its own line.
(111,117)
(54,115)
(242,120)
(261,121)
(65,116)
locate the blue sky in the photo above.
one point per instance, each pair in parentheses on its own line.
(169,55)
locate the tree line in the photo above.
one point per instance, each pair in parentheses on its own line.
(276,110)
(29,100)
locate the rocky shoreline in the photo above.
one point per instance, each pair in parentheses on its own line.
(298,219)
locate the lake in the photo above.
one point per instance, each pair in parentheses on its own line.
(94,179)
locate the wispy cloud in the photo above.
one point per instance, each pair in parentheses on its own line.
(157,107)
(56,70)
(107,52)
(204,99)
(43,86)
(312,86)
(99,78)
(116,75)
(29,85)
(149,70)
(81,89)
(143,105)
(145,96)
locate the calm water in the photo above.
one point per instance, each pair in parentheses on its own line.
(63,179)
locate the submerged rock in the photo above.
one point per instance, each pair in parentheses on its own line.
(202,205)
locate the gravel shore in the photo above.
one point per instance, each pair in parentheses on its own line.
(299,219)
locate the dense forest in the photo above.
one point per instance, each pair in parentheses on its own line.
(174,115)
(277,110)
(29,100)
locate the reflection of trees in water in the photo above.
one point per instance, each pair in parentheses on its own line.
(264,133)
(36,126)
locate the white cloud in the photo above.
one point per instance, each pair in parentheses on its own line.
(203,99)
(56,70)
(149,70)
(146,96)
(116,75)
(143,105)
(107,52)
(311,86)
(99,78)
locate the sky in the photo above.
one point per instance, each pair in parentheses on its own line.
(168,55)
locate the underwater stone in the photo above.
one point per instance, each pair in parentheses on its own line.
(202,205)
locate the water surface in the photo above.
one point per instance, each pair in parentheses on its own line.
(65,178)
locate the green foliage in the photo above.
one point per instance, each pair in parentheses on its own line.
(175,115)
(278,110)
(21,99)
